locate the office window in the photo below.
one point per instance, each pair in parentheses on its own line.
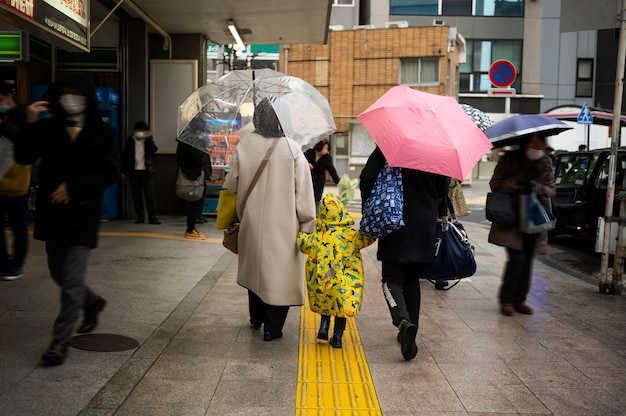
(419,71)
(456,7)
(474,73)
(343,2)
(501,8)
(584,77)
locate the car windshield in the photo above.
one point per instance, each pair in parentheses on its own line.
(571,169)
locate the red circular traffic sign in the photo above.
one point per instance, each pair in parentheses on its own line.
(502,73)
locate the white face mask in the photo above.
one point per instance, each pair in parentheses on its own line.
(73,104)
(4,107)
(140,135)
(534,154)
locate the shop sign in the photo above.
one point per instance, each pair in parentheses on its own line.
(65,19)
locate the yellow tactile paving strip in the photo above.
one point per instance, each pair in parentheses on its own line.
(333,381)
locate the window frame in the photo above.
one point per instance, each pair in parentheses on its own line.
(419,71)
(410,9)
(336,4)
(580,79)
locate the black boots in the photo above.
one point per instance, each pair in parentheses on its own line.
(324,326)
(335,341)
(340,325)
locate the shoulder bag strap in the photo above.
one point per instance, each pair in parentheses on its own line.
(258,173)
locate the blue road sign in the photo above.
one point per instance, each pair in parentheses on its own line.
(585,116)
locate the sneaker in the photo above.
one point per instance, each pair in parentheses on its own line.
(195,235)
(11,273)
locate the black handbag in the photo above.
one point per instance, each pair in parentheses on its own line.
(454,255)
(502,209)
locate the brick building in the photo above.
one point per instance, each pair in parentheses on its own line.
(355,67)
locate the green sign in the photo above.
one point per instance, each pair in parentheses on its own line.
(103,58)
(10,45)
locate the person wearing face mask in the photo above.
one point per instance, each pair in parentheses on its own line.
(138,168)
(79,159)
(517,172)
(14,189)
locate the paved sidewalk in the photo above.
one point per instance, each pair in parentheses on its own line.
(197,354)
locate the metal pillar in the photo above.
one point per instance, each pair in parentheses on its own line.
(617,109)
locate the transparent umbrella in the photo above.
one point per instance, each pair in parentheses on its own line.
(226,105)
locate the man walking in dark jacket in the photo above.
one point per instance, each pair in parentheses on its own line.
(79,159)
(138,168)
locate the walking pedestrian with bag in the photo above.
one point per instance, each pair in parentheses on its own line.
(407,253)
(279,203)
(516,173)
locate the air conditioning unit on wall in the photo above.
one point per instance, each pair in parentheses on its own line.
(335,27)
(439,22)
(396,23)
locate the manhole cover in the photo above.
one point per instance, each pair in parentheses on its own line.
(103,342)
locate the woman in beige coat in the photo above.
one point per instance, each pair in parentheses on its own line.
(280,205)
(515,173)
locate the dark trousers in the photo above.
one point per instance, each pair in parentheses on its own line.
(193,209)
(140,182)
(401,287)
(68,267)
(272,317)
(517,272)
(17,209)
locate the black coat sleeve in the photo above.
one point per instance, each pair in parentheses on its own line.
(370,172)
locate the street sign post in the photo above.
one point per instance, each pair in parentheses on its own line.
(502,74)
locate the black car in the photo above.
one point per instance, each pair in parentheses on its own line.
(581,180)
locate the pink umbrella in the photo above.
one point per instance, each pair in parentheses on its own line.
(423,131)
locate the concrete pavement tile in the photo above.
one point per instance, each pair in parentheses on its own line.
(185,367)
(261,370)
(551,374)
(118,387)
(198,348)
(499,399)
(128,409)
(607,377)
(403,398)
(485,375)
(279,394)
(574,401)
(153,391)
(225,410)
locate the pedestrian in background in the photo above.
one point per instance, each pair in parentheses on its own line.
(193,163)
(517,172)
(334,268)
(409,251)
(320,162)
(79,159)
(14,190)
(138,168)
(279,206)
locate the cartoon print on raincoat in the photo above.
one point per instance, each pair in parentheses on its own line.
(334,268)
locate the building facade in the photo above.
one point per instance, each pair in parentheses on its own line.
(355,67)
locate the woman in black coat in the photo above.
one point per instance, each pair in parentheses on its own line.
(320,162)
(406,253)
(193,163)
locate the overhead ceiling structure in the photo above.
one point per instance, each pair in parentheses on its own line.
(258,22)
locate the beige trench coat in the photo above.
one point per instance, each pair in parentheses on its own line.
(280,205)
(508,178)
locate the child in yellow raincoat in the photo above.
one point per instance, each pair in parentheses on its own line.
(334,269)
